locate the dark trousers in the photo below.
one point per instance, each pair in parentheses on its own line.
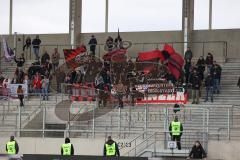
(209,92)
(178,140)
(21,101)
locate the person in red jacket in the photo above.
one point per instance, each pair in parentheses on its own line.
(37,84)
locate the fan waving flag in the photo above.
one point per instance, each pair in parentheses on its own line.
(73,56)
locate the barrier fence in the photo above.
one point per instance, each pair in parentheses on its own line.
(85,119)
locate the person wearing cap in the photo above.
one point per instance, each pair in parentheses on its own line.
(111,148)
(175,130)
(93,43)
(12,146)
(67,148)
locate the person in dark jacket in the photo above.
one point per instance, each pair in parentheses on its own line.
(93,43)
(188,54)
(216,72)
(187,68)
(201,67)
(176,108)
(176,131)
(111,148)
(36,45)
(197,152)
(12,146)
(28,43)
(209,61)
(44,58)
(195,82)
(209,87)
(20,61)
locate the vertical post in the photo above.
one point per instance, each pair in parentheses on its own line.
(10,17)
(228,123)
(44,120)
(210,15)
(203,112)
(207,120)
(119,122)
(93,123)
(106,15)
(165,127)
(15,43)
(146,118)
(19,121)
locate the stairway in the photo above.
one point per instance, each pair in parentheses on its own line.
(229,92)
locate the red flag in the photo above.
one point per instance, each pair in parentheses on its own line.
(169,49)
(148,69)
(150,55)
(175,64)
(109,55)
(71,56)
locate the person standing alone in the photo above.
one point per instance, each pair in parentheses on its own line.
(176,129)
(111,148)
(67,148)
(12,146)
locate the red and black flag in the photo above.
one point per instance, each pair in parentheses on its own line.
(150,55)
(73,56)
(175,61)
(116,55)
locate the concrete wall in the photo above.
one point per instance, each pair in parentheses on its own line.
(138,37)
(231,36)
(222,150)
(53,145)
(51,40)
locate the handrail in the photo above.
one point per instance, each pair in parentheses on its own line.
(161,42)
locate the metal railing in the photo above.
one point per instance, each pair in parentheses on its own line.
(199,48)
(140,118)
(158,140)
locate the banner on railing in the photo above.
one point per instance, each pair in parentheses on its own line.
(161,93)
(13,89)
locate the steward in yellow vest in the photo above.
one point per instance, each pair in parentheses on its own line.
(175,130)
(12,146)
(111,148)
(67,148)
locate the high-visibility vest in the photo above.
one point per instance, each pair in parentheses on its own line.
(11,147)
(176,128)
(67,147)
(110,149)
